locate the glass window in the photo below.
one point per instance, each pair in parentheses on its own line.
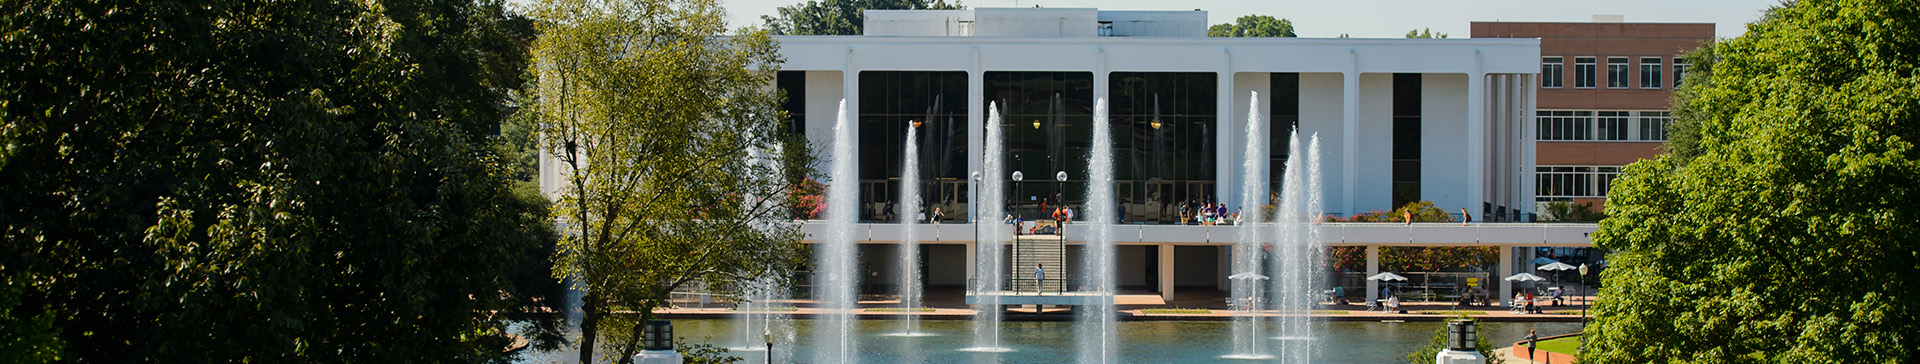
(891,103)
(1680,70)
(1551,72)
(1649,72)
(1562,183)
(1613,124)
(1616,72)
(1653,124)
(1583,72)
(1164,141)
(1564,125)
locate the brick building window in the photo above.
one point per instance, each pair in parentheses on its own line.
(1650,72)
(1552,71)
(1653,125)
(1679,70)
(1613,125)
(1564,125)
(1583,68)
(1616,72)
(1561,183)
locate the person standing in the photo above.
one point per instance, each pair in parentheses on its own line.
(1466,219)
(1406,215)
(1039,277)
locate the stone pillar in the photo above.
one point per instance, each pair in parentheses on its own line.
(1350,137)
(1166,272)
(976,138)
(1477,156)
(1504,269)
(1373,267)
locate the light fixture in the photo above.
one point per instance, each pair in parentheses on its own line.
(1036,123)
(1155,123)
(1017,176)
(1062,176)
(916,123)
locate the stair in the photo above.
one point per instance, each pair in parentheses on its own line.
(1031,250)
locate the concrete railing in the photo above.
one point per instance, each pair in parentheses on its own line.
(1390,234)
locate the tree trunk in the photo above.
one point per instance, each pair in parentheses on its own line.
(590,316)
(646,314)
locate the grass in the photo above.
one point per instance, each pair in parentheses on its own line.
(1176,311)
(899,309)
(1566,345)
(1329,312)
(1454,313)
(1563,312)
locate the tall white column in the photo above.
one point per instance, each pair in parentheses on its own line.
(1527,143)
(1373,267)
(976,135)
(1504,268)
(1166,272)
(1224,127)
(1477,140)
(1350,136)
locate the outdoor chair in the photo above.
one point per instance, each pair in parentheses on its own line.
(1515,306)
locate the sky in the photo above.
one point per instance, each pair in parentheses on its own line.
(1384,18)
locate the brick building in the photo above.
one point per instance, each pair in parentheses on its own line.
(1602,99)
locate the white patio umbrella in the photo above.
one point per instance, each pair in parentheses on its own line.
(1386,276)
(1525,277)
(1557,266)
(1247,275)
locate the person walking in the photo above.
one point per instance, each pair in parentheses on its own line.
(1532,340)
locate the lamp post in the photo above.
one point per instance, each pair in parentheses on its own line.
(1584,304)
(769,335)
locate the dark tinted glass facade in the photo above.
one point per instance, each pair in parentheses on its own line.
(891,102)
(1406,138)
(1285,98)
(1046,116)
(1164,127)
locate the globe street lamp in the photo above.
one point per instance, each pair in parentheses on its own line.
(1584,302)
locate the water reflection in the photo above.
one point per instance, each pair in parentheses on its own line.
(1145,341)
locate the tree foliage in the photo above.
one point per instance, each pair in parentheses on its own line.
(664,131)
(1563,211)
(1253,26)
(1788,236)
(840,17)
(1425,33)
(1410,259)
(235,181)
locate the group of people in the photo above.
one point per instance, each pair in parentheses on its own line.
(887,214)
(1208,213)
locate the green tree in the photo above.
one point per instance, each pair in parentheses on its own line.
(664,130)
(1253,26)
(1683,132)
(1563,211)
(1425,33)
(1411,259)
(235,181)
(840,17)
(1788,236)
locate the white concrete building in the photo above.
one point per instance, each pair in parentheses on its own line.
(1442,120)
